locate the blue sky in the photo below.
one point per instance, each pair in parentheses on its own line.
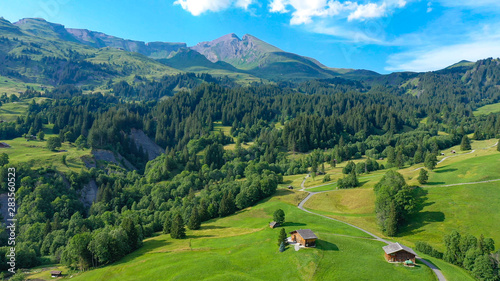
(380,35)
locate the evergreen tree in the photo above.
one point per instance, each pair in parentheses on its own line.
(133,236)
(282,247)
(391,223)
(465,145)
(400,163)
(391,156)
(177,230)
(194,221)
(430,161)
(418,157)
(227,206)
(167,224)
(282,237)
(279,216)
(484,269)
(423,176)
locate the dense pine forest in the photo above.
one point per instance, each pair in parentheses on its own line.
(197,179)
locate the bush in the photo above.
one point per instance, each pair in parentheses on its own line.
(428,250)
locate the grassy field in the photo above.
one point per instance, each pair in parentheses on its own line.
(10,111)
(34,151)
(487,109)
(473,209)
(243,247)
(11,86)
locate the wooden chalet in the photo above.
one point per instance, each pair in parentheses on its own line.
(273,224)
(304,237)
(396,252)
(56,273)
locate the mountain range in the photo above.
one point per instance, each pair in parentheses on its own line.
(53,54)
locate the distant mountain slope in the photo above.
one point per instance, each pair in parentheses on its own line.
(261,59)
(42,28)
(36,51)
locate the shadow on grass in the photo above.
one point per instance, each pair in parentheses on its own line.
(199,236)
(287,224)
(419,218)
(326,246)
(212,227)
(361,183)
(435,183)
(445,170)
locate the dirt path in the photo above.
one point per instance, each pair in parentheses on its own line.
(436,271)
(464,183)
(472,151)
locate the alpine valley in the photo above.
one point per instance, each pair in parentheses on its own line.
(236,160)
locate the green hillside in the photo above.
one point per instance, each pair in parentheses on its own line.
(468,208)
(243,247)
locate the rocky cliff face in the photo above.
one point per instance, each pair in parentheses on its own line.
(100,40)
(42,28)
(244,53)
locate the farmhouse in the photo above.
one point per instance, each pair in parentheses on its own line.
(396,252)
(56,273)
(304,237)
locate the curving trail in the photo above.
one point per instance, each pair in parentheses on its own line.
(436,270)
(472,151)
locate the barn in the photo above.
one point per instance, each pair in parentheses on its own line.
(273,224)
(396,252)
(4,145)
(304,237)
(56,273)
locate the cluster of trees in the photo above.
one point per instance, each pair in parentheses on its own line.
(395,202)
(477,255)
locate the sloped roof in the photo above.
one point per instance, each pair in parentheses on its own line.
(273,223)
(396,247)
(306,234)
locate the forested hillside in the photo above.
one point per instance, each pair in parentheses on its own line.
(227,144)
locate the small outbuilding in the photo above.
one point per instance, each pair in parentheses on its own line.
(290,187)
(4,145)
(396,252)
(304,237)
(56,273)
(273,224)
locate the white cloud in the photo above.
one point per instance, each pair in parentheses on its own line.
(198,7)
(470,3)
(278,6)
(482,45)
(243,3)
(304,12)
(350,35)
(368,11)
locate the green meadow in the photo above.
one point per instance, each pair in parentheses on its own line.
(469,208)
(36,153)
(243,247)
(487,109)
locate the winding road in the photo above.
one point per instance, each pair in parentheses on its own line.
(436,270)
